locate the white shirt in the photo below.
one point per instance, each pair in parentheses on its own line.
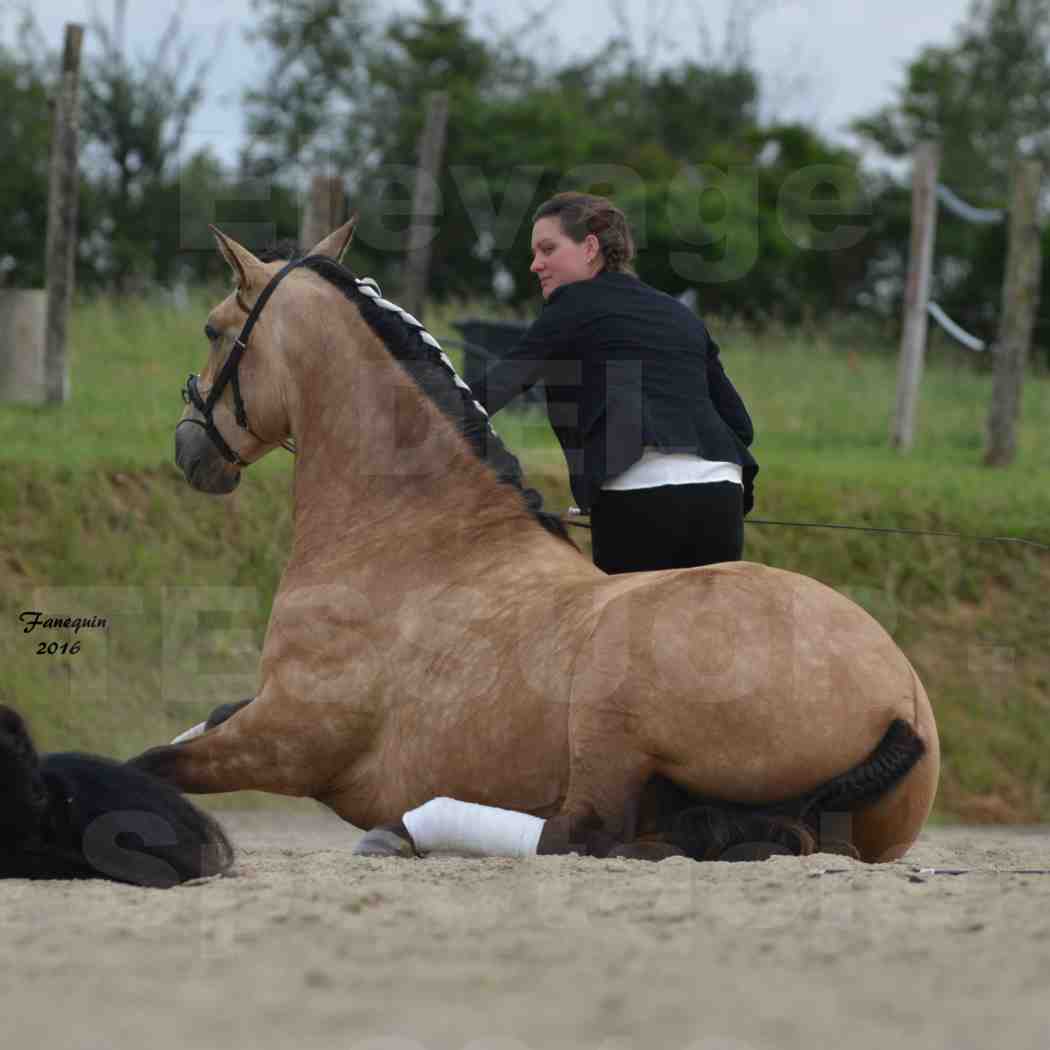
(657,468)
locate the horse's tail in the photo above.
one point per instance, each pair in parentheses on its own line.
(898,751)
(716,830)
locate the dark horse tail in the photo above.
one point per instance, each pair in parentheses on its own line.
(898,751)
(73,816)
(716,830)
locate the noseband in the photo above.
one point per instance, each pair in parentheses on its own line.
(229,375)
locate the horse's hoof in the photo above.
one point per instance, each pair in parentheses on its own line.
(645,851)
(387,840)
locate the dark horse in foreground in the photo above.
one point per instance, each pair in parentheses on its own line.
(430,638)
(73,816)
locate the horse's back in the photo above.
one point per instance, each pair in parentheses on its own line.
(753,684)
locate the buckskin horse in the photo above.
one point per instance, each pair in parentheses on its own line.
(430,638)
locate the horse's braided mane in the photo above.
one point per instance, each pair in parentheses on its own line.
(421,356)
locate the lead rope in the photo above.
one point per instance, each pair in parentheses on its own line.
(573,514)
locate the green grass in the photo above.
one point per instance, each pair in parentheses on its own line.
(94,519)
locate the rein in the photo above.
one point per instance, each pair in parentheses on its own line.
(230,376)
(572,519)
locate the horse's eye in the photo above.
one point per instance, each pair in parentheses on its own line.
(211,333)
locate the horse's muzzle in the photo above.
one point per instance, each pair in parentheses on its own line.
(200,461)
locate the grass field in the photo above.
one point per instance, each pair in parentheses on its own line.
(95,519)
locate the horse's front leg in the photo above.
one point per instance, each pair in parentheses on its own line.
(448,825)
(221,714)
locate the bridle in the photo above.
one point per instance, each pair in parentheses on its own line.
(229,375)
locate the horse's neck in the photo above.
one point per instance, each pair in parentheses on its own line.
(378,465)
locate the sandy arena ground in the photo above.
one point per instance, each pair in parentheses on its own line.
(309,948)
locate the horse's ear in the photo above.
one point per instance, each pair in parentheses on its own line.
(335,244)
(248,270)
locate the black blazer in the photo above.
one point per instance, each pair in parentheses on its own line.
(625,366)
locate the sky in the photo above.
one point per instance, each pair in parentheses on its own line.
(821,61)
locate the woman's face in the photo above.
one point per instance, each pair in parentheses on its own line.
(557,259)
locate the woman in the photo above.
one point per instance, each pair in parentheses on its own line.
(655,436)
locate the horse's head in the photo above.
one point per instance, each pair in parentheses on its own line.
(236,409)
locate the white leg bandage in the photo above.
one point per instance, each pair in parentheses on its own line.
(465,827)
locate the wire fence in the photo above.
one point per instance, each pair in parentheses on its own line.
(980,217)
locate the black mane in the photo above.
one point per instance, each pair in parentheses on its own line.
(433,374)
(73,816)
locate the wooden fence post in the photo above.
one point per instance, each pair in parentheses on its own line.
(63,179)
(424,201)
(1020,300)
(324,210)
(917,292)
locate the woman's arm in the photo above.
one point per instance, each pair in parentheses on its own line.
(514,372)
(520,367)
(727,402)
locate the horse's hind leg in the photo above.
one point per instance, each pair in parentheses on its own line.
(608,771)
(711,829)
(602,810)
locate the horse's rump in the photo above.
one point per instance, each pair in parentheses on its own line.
(747,683)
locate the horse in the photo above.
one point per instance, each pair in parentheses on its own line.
(434,636)
(76,816)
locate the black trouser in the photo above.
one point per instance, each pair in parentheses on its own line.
(668,527)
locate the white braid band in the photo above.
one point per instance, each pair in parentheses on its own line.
(369,287)
(465,827)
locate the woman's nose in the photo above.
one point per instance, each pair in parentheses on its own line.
(535,265)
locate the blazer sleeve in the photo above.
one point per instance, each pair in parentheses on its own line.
(727,402)
(519,368)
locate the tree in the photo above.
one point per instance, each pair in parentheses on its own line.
(519,131)
(24,130)
(979,97)
(983,97)
(144,207)
(435,51)
(308,109)
(135,119)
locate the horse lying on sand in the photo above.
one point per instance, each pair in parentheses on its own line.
(429,638)
(73,816)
